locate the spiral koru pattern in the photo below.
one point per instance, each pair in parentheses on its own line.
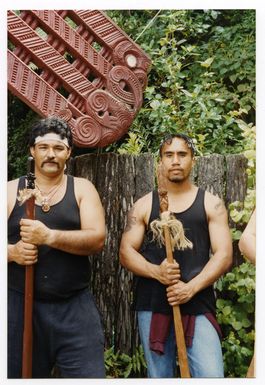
(125,120)
(125,86)
(65,114)
(108,111)
(119,73)
(97,101)
(123,49)
(126,48)
(87,132)
(109,136)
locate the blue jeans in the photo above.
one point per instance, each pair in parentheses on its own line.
(205,355)
(66,333)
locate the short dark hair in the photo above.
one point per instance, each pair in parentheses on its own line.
(168,140)
(52,124)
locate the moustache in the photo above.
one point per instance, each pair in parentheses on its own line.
(48,161)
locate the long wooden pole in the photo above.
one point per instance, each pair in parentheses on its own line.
(180,339)
(179,333)
(28,299)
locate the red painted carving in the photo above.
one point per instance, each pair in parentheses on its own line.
(90,73)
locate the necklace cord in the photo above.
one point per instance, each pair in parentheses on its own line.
(46,198)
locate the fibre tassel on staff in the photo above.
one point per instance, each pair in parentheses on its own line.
(29,270)
(179,333)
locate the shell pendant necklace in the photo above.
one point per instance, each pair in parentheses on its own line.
(46,198)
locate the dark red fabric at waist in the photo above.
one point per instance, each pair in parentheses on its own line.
(160,325)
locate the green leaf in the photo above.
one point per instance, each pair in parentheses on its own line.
(187,93)
(226,310)
(246,323)
(236,234)
(155,104)
(233,78)
(230,276)
(242,87)
(207,62)
(237,325)
(128,370)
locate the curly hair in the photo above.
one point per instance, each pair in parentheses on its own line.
(168,140)
(51,124)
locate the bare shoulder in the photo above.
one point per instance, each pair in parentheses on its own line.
(143,203)
(83,185)
(12,184)
(142,208)
(86,192)
(214,205)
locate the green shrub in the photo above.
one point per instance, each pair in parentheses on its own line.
(202,79)
(235,313)
(121,365)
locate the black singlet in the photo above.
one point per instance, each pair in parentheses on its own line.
(57,274)
(150,294)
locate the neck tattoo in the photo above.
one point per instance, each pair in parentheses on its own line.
(46,197)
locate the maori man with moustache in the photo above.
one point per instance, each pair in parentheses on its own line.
(69,225)
(205,255)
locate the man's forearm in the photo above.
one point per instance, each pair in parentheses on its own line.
(166,273)
(80,242)
(137,264)
(217,266)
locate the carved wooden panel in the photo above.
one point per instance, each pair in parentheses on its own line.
(80,66)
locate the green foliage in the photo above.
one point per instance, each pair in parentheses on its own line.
(133,146)
(237,288)
(202,78)
(235,313)
(240,212)
(121,365)
(19,121)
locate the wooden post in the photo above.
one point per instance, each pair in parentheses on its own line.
(28,299)
(179,333)
(180,339)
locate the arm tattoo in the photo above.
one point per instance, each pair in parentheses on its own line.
(131,220)
(219,207)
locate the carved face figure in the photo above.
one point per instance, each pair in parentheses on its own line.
(177,160)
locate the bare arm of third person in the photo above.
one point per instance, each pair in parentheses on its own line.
(220,261)
(247,243)
(89,239)
(132,238)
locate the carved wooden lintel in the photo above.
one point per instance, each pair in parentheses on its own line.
(80,66)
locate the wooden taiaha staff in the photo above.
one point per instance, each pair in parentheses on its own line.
(28,298)
(179,333)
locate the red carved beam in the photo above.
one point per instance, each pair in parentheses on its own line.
(87,71)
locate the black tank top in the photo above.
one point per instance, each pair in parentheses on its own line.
(57,274)
(150,294)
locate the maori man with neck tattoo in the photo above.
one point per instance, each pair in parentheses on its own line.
(188,282)
(69,225)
